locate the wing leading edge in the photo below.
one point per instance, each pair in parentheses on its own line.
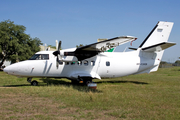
(95,48)
(91,50)
(107,44)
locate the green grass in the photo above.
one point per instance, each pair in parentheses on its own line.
(145,96)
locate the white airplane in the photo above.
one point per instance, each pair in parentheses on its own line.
(92,62)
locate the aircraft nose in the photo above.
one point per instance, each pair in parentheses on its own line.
(11,69)
(6,69)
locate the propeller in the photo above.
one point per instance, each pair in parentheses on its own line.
(57,53)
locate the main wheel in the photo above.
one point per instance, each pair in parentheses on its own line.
(87,81)
(34,83)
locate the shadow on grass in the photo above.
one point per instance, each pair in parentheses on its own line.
(120,81)
(21,85)
(79,86)
(82,87)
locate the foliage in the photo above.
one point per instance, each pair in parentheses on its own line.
(177,63)
(15,44)
(164,64)
(77,46)
(51,46)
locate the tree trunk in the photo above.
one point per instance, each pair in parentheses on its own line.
(2,62)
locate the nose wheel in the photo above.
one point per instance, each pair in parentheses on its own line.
(33,83)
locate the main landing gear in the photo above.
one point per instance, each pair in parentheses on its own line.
(85,80)
(88,82)
(33,83)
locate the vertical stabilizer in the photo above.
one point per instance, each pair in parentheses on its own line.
(159,34)
(155,43)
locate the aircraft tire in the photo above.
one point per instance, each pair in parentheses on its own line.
(34,83)
(86,82)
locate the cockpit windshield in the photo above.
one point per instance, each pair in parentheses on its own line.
(40,57)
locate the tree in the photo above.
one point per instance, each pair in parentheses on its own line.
(77,46)
(177,63)
(15,44)
(162,64)
(51,46)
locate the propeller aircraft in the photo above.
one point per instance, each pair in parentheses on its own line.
(93,62)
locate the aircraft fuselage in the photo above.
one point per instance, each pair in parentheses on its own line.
(108,65)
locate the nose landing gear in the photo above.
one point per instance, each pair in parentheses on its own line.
(33,83)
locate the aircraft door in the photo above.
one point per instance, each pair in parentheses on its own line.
(95,65)
(105,67)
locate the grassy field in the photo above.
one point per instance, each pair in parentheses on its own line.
(146,96)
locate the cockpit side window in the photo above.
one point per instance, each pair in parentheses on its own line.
(40,57)
(45,56)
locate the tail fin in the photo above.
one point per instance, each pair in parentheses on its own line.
(158,35)
(154,44)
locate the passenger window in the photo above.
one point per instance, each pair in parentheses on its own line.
(92,63)
(72,63)
(107,63)
(79,62)
(86,63)
(60,62)
(67,63)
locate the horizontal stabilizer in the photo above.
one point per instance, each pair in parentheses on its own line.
(132,48)
(158,47)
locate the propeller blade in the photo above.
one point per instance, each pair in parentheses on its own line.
(56,44)
(59,46)
(57,53)
(57,62)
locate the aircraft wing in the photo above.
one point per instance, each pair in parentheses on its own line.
(91,50)
(107,44)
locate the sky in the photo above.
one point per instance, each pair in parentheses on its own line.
(77,22)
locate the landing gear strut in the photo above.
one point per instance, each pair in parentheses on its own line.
(29,80)
(88,82)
